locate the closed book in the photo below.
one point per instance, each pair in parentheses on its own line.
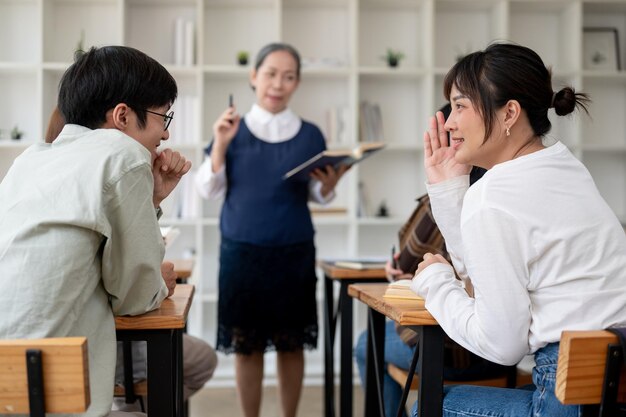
(401,289)
(335,158)
(360,265)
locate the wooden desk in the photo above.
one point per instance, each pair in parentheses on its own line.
(162,329)
(345,277)
(413,314)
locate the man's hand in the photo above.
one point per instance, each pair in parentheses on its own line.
(169,276)
(167,170)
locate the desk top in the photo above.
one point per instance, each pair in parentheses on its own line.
(405,312)
(171,315)
(334,272)
(182,267)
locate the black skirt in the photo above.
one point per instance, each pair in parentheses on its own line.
(266,298)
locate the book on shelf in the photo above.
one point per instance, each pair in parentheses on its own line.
(401,289)
(361,264)
(335,158)
(370,122)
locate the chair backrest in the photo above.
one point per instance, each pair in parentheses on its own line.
(582,365)
(65,374)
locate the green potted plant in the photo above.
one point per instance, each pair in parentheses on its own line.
(16,133)
(393,57)
(242,57)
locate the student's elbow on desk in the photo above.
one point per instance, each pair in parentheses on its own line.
(133,306)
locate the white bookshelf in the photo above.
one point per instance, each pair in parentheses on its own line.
(341,42)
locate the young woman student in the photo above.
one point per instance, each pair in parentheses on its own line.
(267,257)
(543,250)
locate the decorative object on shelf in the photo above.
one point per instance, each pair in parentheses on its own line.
(383,211)
(16,134)
(393,57)
(80,45)
(242,57)
(601,48)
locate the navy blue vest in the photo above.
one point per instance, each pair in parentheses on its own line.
(260,207)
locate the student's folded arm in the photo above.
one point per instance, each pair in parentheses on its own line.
(495,323)
(134,248)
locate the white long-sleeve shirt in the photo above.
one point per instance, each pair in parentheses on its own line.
(543,250)
(79,242)
(271,128)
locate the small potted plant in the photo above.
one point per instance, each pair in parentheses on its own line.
(16,134)
(393,57)
(242,57)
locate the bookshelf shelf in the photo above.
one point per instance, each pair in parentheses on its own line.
(341,42)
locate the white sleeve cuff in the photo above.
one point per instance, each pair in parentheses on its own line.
(211,185)
(315,193)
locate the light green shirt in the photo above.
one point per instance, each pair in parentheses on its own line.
(79,242)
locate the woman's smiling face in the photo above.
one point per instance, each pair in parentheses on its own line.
(467,133)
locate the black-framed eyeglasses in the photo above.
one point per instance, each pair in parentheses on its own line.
(167,118)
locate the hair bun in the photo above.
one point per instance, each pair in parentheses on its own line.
(564,101)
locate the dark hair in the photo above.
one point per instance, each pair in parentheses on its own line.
(101,78)
(273,47)
(504,72)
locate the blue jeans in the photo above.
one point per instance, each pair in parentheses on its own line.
(467,400)
(396,352)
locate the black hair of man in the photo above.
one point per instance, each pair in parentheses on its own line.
(102,78)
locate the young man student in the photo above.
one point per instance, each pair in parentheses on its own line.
(79,238)
(199,358)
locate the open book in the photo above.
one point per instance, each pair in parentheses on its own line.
(401,289)
(334,157)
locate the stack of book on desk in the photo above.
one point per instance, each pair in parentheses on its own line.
(401,289)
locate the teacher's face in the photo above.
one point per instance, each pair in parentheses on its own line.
(275,81)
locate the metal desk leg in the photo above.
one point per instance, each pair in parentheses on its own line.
(345,302)
(177,359)
(329,341)
(161,373)
(430,394)
(375,363)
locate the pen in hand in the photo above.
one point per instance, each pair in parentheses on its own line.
(230,105)
(394,261)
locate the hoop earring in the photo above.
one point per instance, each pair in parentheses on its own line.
(508,132)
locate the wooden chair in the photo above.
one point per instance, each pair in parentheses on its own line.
(522,378)
(39,376)
(591,372)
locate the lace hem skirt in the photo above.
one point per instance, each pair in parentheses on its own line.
(266,298)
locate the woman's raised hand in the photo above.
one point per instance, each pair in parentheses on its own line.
(439,161)
(225,127)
